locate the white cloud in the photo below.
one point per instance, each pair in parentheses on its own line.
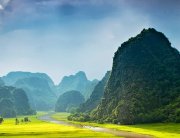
(1,7)
(64,50)
(4,3)
(69,45)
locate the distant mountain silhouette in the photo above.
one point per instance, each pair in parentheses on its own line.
(39,87)
(77,82)
(69,101)
(11,78)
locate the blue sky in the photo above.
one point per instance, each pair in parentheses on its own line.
(61,37)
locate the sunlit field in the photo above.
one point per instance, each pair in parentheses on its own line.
(40,129)
(159,130)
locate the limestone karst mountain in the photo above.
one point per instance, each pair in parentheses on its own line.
(144,85)
(14,102)
(96,95)
(77,82)
(39,88)
(69,101)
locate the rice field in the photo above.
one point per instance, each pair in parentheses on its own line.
(158,130)
(40,129)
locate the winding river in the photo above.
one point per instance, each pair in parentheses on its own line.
(126,134)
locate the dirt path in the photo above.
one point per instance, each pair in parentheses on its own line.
(125,134)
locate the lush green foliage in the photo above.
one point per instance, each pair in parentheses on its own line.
(39,88)
(14,102)
(77,82)
(96,95)
(144,85)
(69,101)
(81,117)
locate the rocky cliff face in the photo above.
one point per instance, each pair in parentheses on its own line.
(77,82)
(96,95)
(144,85)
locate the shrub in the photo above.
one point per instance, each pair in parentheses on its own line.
(1,120)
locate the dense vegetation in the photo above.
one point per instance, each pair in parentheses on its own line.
(39,87)
(156,130)
(96,95)
(144,85)
(14,102)
(77,82)
(69,101)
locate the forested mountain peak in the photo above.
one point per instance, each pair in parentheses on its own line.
(145,81)
(14,101)
(69,101)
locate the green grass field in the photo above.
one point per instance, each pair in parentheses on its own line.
(40,129)
(159,130)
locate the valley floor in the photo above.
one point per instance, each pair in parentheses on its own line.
(52,128)
(158,130)
(41,129)
(62,120)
